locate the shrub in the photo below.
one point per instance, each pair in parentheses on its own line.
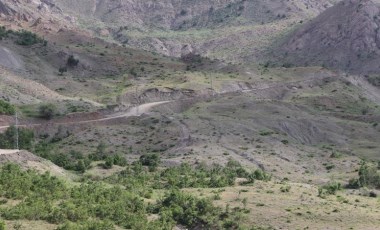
(285,142)
(369,176)
(72,61)
(151,160)
(329,189)
(188,210)
(285,188)
(62,70)
(6,108)
(109,163)
(81,166)
(47,111)
(3,32)
(100,153)
(27,38)
(261,175)
(119,160)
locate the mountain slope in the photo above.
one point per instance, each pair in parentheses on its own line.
(346,36)
(237,30)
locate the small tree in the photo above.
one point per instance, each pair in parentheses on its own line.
(6,108)
(150,160)
(81,166)
(47,111)
(109,163)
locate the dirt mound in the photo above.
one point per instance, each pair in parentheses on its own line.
(29,161)
(346,36)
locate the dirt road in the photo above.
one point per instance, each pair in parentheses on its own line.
(134,111)
(8,151)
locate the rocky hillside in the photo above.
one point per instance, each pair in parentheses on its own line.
(177,27)
(346,36)
(38,15)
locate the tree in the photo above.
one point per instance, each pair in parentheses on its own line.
(100,153)
(369,176)
(47,111)
(8,139)
(150,160)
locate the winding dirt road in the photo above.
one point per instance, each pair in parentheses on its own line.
(131,112)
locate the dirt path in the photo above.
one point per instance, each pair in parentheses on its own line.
(8,151)
(134,111)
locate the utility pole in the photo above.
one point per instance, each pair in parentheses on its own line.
(212,85)
(17,144)
(137,102)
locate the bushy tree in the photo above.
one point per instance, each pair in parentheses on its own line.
(188,210)
(369,176)
(6,108)
(27,38)
(150,160)
(47,111)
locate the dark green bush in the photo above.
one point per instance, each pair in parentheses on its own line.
(188,210)
(27,38)
(6,108)
(150,160)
